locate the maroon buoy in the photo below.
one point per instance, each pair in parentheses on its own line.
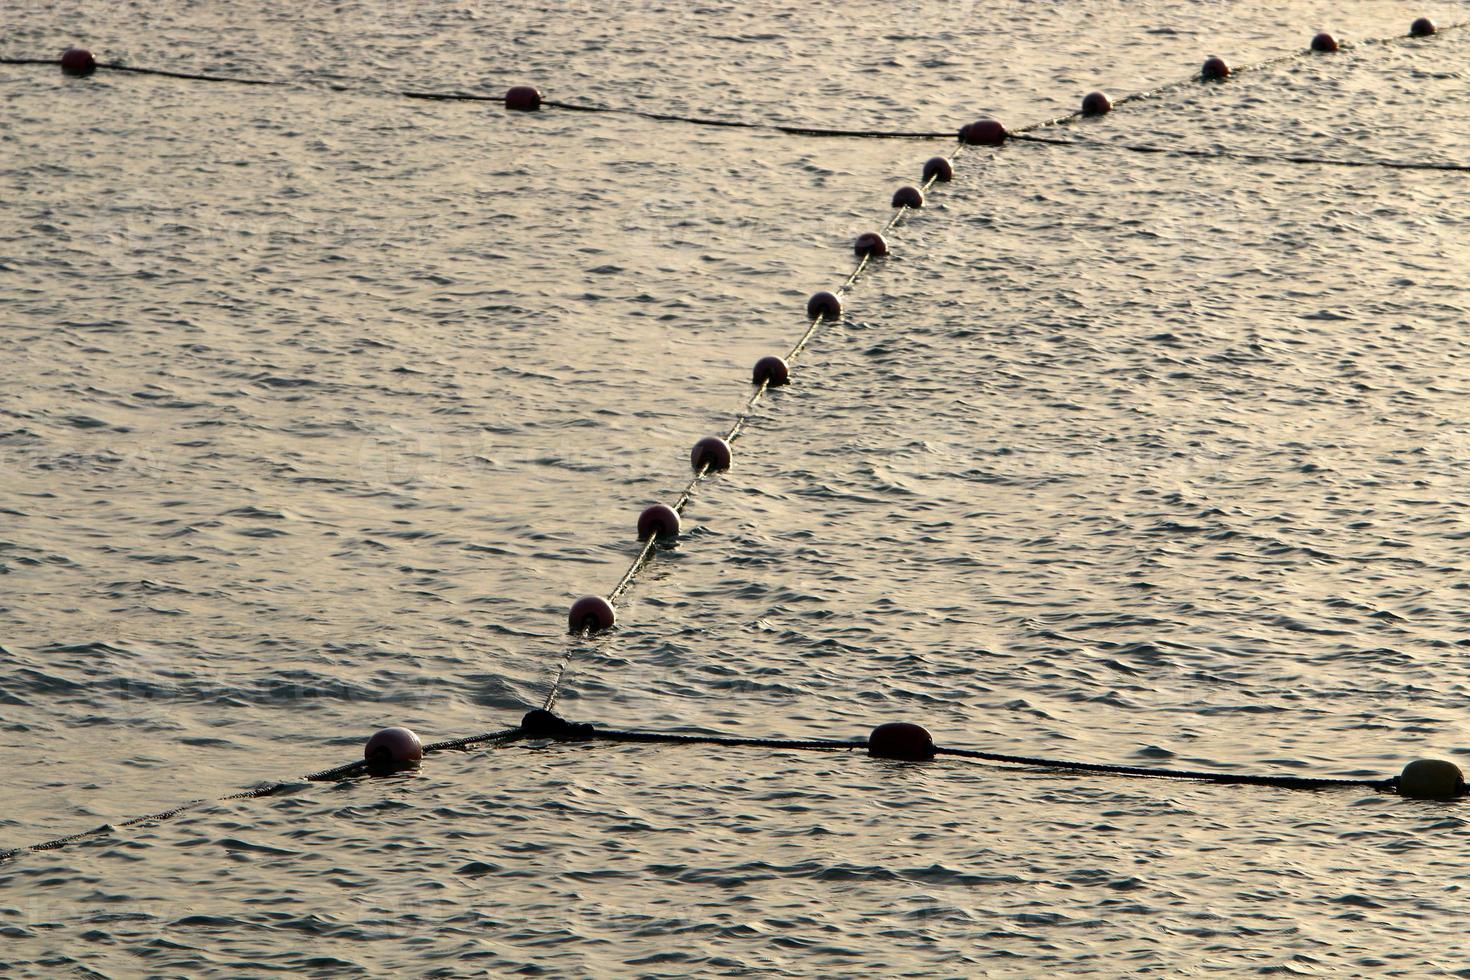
(392,750)
(825,305)
(711,451)
(78,62)
(870,243)
(770,370)
(592,613)
(983,132)
(660,519)
(901,740)
(908,196)
(1215,70)
(523,98)
(1096,104)
(1423,27)
(938,169)
(1324,43)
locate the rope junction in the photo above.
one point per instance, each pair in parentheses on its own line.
(542,724)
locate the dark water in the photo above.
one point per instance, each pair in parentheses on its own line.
(319,408)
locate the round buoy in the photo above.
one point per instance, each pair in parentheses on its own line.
(711,451)
(392,750)
(983,132)
(900,740)
(523,98)
(1214,70)
(592,614)
(1324,43)
(539,721)
(1431,779)
(770,370)
(1423,27)
(939,169)
(825,305)
(870,243)
(1096,104)
(660,519)
(908,197)
(78,62)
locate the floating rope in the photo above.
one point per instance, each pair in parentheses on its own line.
(1177,151)
(791,129)
(543,725)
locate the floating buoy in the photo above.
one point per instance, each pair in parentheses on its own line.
(825,305)
(870,243)
(770,370)
(592,614)
(660,519)
(1096,104)
(523,98)
(78,62)
(908,197)
(1215,70)
(539,721)
(1431,779)
(900,740)
(711,451)
(983,132)
(1423,27)
(392,750)
(938,168)
(1324,43)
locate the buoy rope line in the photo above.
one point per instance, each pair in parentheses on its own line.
(911,745)
(527,98)
(1428,779)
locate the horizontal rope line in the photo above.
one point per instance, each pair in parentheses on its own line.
(1283,782)
(793,129)
(1176,151)
(589,733)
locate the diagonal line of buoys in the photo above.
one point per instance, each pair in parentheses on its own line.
(395,749)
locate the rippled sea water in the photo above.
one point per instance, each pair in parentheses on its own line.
(320,407)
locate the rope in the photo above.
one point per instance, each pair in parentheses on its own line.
(588,733)
(1282,782)
(1177,151)
(544,725)
(348,771)
(791,129)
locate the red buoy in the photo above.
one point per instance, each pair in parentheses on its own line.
(938,169)
(523,98)
(1096,104)
(78,62)
(825,305)
(770,370)
(1324,43)
(660,519)
(711,451)
(591,613)
(1423,27)
(900,740)
(983,132)
(1215,70)
(870,243)
(392,750)
(908,197)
